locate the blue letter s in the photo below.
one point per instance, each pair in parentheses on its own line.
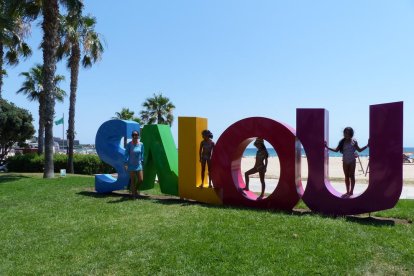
(108,148)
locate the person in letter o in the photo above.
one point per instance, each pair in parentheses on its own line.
(260,165)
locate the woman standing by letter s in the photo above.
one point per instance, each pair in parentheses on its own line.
(134,159)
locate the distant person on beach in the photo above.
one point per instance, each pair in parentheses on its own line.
(260,165)
(134,159)
(206,150)
(347,146)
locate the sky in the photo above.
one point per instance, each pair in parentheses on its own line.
(226,60)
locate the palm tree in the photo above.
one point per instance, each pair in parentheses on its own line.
(50,24)
(13,31)
(126,114)
(32,87)
(158,110)
(77,31)
(50,43)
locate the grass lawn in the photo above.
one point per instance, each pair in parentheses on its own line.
(60,226)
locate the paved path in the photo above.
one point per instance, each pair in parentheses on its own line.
(255,186)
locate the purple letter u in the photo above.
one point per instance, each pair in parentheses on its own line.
(385,162)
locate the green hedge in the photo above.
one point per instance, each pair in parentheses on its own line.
(82,163)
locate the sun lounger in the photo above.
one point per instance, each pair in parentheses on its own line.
(407,160)
(360,163)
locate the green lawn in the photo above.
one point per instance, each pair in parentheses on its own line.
(60,226)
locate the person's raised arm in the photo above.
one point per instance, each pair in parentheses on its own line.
(212,148)
(361,149)
(331,149)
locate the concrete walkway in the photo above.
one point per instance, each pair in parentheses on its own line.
(255,186)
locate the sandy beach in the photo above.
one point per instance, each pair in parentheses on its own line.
(335,169)
(336,175)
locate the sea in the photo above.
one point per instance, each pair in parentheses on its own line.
(251,152)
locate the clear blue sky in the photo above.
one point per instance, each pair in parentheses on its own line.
(231,59)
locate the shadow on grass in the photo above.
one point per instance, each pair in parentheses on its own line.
(360,219)
(161,199)
(372,221)
(182,202)
(172,200)
(120,197)
(98,195)
(7,177)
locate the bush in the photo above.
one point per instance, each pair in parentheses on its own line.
(83,164)
(30,162)
(90,164)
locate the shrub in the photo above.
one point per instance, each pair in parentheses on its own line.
(30,162)
(90,164)
(83,164)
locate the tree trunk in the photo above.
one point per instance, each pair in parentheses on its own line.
(74,72)
(41,136)
(50,11)
(159,118)
(1,67)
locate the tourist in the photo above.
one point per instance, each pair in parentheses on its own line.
(260,165)
(206,150)
(134,159)
(347,146)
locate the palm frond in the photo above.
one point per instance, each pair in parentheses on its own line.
(157,109)
(12,57)
(60,94)
(32,9)
(14,28)
(86,61)
(25,50)
(63,50)
(32,86)
(125,114)
(77,29)
(73,6)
